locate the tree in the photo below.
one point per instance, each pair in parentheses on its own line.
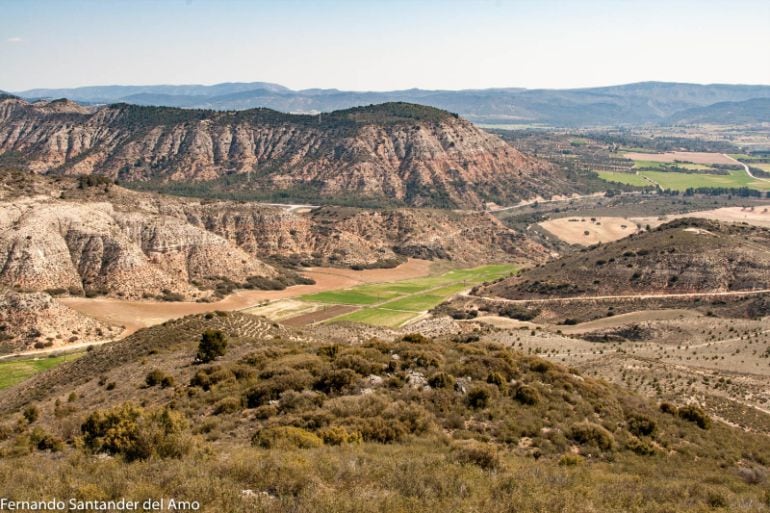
(213,344)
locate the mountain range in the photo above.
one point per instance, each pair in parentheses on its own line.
(638,103)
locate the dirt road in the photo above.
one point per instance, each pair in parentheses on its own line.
(684,295)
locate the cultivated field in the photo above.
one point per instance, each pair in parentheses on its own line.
(134,315)
(587,231)
(678,181)
(682,156)
(393,304)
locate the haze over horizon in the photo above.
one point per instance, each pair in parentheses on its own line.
(380,46)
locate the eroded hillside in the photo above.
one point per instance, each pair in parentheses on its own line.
(398,153)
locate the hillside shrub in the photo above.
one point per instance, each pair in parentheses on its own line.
(213,344)
(283,437)
(135,434)
(693,413)
(472,452)
(588,433)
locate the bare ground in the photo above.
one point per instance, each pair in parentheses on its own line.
(682,156)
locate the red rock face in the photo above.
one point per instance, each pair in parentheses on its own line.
(444,161)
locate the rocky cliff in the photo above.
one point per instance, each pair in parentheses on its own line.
(401,154)
(104,239)
(35,321)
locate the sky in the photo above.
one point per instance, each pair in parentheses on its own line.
(376,45)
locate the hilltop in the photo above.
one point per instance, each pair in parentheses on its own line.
(394,154)
(290,420)
(686,255)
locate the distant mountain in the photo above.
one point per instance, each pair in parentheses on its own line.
(756,110)
(395,153)
(639,103)
(117,93)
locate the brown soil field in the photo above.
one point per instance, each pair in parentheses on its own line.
(757,216)
(319,315)
(682,156)
(611,228)
(134,315)
(601,229)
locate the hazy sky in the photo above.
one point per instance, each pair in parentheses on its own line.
(380,45)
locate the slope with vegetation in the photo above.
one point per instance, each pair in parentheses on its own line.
(683,256)
(279,420)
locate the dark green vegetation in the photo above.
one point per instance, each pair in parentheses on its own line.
(135,116)
(291,421)
(683,256)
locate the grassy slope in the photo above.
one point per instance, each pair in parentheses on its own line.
(424,449)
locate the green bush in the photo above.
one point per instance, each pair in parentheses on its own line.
(213,344)
(570,460)
(335,380)
(31,413)
(158,377)
(45,441)
(441,380)
(478,398)
(641,425)
(227,405)
(639,446)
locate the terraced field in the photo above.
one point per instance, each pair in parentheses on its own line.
(393,304)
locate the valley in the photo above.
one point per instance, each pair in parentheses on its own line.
(625,323)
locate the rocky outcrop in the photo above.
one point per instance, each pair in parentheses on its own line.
(36,321)
(108,240)
(396,153)
(94,247)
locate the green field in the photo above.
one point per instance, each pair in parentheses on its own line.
(625,178)
(764,166)
(15,371)
(669,166)
(682,181)
(392,304)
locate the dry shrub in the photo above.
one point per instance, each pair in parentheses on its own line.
(282,437)
(588,433)
(693,413)
(472,452)
(339,435)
